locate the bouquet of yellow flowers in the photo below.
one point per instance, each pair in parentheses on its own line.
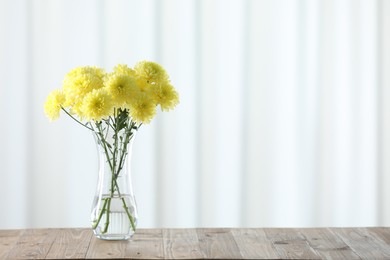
(93,95)
(113,106)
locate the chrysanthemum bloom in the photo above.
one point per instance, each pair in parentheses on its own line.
(143,108)
(92,95)
(97,105)
(53,104)
(121,87)
(165,95)
(76,108)
(142,84)
(79,82)
(151,71)
(99,72)
(124,69)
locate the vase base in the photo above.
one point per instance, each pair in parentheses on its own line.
(113,236)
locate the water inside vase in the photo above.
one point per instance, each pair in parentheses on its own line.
(117,224)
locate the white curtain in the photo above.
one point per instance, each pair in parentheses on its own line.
(284,117)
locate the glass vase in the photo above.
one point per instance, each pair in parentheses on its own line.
(114,211)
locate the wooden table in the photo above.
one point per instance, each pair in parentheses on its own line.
(269,243)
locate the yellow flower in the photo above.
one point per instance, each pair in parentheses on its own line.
(76,109)
(151,71)
(80,81)
(97,105)
(166,96)
(121,87)
(143,108)
(92,95)
(53,104)
(124,69)
(99,72)
(142,84)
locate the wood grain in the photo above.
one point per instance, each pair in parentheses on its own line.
(146,244)
(70,243)
(100,249)
(254,244)
(200,243)
(380,233)
(33,244)
(218,243)
(290,243)
(8,239)
(327,245)
(181,244)
(363,244)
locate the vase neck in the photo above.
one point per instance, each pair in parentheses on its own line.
(114,147)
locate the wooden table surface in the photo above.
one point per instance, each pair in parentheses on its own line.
(201,243)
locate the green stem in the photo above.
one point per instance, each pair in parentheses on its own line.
(76,119)
(100,214)
(129,214)
(114,155)
(107,217)
(128,137)
(108,200)
(115,169)
(103,141)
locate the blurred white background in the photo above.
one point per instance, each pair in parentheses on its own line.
(284,117)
